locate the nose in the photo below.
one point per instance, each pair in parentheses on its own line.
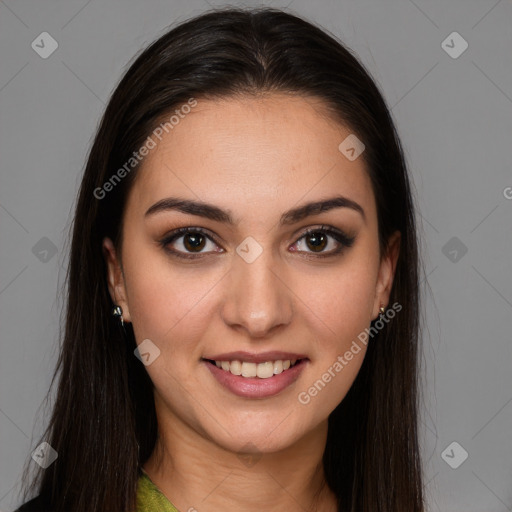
(258,301)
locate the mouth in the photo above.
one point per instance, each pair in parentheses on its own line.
(248,369)
(256,376)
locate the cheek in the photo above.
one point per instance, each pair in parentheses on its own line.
(339,303)
(165,301)
(338,312)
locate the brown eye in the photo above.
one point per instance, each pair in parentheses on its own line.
(316,241)
(194,241)
(189,243)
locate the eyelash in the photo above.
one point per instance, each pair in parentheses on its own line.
(344,240)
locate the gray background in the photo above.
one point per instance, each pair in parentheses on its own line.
(455,119)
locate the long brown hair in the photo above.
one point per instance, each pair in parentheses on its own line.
(103,424)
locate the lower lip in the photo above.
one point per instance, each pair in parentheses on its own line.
(254,387)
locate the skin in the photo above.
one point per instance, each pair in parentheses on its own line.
(256,157)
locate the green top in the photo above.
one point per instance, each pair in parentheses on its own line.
(150,498)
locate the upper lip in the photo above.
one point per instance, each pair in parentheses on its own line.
(249,357)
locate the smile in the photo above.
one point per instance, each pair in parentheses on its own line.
(249,379)
(260,370)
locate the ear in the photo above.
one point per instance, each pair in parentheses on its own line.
(386,273)
(115,278)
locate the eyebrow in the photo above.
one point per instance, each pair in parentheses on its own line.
(213,212)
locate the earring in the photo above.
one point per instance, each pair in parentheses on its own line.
(381,311)
(117,311)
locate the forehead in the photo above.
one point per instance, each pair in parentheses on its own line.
(249,153)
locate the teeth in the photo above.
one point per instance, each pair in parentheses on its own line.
(265,370)
(261,370)
(235,367)
(249,369)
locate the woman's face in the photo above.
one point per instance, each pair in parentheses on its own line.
(257,283)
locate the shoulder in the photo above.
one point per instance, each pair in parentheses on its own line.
(37,504)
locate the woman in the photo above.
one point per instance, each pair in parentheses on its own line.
(242,317)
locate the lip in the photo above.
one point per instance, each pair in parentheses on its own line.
(254,387)
(248,357)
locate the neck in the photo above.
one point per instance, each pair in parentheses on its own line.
(195,473)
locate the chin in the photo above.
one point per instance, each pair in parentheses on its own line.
(258,440)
